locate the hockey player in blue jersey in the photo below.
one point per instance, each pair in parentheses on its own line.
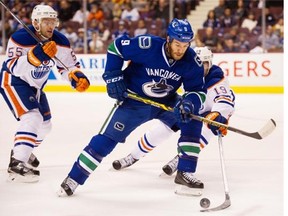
(218,106)
(157,68)
(23,76)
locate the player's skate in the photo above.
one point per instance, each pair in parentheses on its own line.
(188,184)
(68,187)
(171,166)
(33,161)
(20,172)
(124,162)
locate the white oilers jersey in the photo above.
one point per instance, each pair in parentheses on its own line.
(17,63)
(220,97)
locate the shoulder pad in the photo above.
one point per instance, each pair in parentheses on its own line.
(60,39)
(23,37)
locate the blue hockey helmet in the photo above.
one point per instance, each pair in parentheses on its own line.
(180,30)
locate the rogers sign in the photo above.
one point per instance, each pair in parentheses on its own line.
(242,69)
(252,69)
(249,68)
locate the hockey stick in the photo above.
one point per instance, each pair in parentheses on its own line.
(30,32)
(260,134)
(116,104)
(227,201)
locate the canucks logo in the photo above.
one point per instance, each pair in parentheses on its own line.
(157,89)
(144,42)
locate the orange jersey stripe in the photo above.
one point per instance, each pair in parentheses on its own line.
(224,98)
(24,138)
(37,143)
(19,110)
(11,63)
(143,144)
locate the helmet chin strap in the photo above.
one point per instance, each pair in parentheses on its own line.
(38,30)
(41,35)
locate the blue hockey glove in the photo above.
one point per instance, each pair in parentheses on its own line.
(183,109)
(216,116)
(115,84)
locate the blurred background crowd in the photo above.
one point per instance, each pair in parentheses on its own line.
(90,25)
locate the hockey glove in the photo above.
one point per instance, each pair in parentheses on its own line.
(78,80)
(115,84)
(216,116)
(40,53)
(183,109)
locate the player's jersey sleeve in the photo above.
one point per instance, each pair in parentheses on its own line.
(65,54)
(126,48)
(220,97)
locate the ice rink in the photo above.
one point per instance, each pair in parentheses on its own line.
(255,168)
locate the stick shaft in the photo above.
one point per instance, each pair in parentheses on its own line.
(223,169)
(167,108)
(227,201)
(109,115)
(265,131)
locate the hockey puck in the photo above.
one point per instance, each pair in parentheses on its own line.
(205,203)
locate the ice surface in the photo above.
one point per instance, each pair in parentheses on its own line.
(255,168)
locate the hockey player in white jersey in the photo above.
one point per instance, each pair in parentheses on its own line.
(23,76)
(219,106)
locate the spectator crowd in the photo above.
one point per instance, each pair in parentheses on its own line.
(236,26)
(232,26)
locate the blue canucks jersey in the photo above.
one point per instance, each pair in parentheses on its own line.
(150,73)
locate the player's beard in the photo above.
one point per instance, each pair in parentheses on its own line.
(174,55)
(177,56)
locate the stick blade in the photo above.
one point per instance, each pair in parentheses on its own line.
(267,129)
(224,205)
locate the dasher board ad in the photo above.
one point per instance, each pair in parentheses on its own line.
(247,73)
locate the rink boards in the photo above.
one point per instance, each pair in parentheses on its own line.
(247,73)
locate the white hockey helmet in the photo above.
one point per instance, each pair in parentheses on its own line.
(43,11)
(205,54)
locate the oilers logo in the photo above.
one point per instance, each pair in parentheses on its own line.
(157,89)
(41,71)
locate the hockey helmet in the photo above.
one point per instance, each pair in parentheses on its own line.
(205,54)
(43,11)
(180,30)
